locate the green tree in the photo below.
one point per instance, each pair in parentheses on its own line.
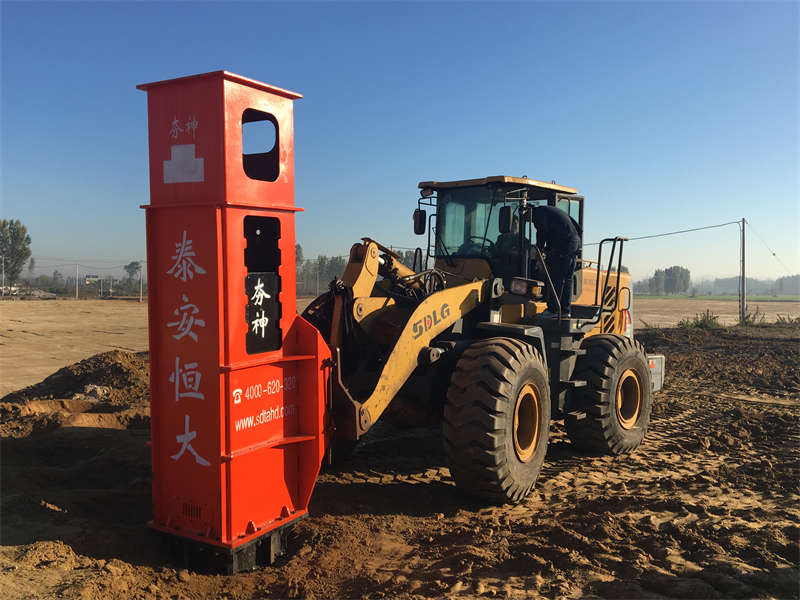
(15,247)
(132,269)
(332,268)
(677,280)
(407,258)
(657,283)
(56,284)
(298,256)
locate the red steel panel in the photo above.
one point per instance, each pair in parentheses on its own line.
(184,362)
(239,187)
(187,142)
(236,299)
(237,417)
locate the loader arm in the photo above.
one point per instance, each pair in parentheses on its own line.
(432,317)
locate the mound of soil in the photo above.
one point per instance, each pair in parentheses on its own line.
(707,507)
(124,375)
(109,390)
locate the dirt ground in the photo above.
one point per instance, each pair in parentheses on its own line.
(39,336)
(707,507)
(666,312)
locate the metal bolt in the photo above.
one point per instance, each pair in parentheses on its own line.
(364,418)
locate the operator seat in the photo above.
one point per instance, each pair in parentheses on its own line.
(504,257)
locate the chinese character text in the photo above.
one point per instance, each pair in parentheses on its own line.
(187,380)
(185,440)
(187,319)
(260,322)
(259,294)
(184,267)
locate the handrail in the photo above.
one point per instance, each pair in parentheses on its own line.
(600,300)
(549,280)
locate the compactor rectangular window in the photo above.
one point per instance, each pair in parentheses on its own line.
(260,145)
(262,284)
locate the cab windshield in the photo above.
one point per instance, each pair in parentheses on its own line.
(467,220)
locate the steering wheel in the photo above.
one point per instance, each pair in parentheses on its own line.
(484,242)
(474,244)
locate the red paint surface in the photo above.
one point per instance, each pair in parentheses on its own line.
(264,450)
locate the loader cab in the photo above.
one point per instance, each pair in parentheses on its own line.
(466,237)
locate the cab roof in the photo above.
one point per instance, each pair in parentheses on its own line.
(524,181)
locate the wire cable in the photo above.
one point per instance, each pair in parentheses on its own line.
(771,251)
(656,235)
(79,260)
(72,264)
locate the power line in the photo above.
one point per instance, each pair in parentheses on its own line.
(72,261)
(656,235)
(72,264)
(771,251)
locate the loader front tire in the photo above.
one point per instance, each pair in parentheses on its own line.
(617,398)
(497,419)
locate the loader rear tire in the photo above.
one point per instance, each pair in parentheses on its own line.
(497,419)
(617,398)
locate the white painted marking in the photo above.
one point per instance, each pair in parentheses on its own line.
(183,166)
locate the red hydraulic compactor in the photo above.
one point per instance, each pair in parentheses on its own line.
(238,380)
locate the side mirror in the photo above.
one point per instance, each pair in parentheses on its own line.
(420,221)
(505,219)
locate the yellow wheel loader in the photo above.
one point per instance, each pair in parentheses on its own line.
(464,336)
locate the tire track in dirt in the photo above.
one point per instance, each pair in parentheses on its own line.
(707,507)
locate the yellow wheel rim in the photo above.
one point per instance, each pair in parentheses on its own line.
(526,422)
(629,399)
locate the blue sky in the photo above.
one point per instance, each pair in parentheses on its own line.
(665,115)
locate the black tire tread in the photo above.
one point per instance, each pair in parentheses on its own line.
(473,417)
(595,432)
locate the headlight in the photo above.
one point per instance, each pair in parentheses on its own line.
(519,287)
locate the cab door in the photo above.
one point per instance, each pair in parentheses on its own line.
(573,206)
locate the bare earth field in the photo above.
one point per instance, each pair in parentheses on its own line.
(39,337)
(707,507)
(660,312)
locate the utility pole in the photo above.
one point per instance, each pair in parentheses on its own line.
(742,282)
(110,285)
(101,287)
(317,277)
(141,269)
(76,281)
(3,289)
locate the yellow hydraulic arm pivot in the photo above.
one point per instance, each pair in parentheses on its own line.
(359,276)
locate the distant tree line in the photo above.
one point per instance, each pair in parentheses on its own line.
(64,285)
(783,286)
(314,275)
(664,281)
(673,280)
